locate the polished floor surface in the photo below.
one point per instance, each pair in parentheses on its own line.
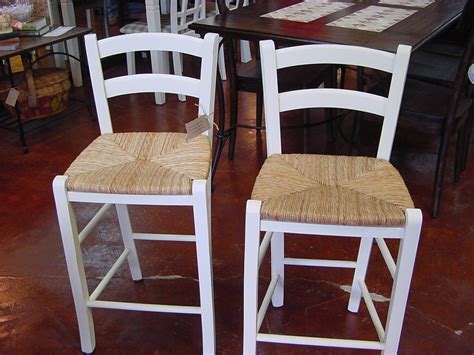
(36,309)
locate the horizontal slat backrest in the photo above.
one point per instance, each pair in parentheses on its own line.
(202,88)
(386,107)
(335,54)
(143,83)
(189,12)
(144,41)
(335,98)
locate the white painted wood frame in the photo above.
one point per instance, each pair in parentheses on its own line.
(409,233)
(199,199)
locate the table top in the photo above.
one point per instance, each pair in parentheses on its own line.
(28,44)
(246,23)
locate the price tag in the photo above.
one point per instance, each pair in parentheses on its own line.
(197,126)
(32,100)
(12,97)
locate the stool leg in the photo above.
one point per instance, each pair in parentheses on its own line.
(402,280)
(129,243)
(359,273)
(131,69)
(75,265)
(178,70)
(278,267)
(204,260)
(252,243)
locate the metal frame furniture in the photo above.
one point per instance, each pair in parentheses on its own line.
(330,195)
(449,106)
(149,168)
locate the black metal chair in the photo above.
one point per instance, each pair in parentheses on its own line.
(450,105)
(247,77)
(437,60)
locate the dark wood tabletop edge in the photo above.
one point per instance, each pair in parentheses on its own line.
(32,43)
(437,31)
(202,29)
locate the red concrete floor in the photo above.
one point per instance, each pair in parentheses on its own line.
(36,308)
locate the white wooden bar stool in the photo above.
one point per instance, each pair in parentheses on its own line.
(330,195)
(144,168)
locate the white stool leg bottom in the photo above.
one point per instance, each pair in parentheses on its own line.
(75,265)
(245,54)
(129,243)
(178,70)
(359,273)
(252,243)
(203,251)
(131,69)
(221,64)
(278,267)
(402,280)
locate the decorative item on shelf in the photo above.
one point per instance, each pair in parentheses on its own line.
(33,24)
(33,33)
(35,27)
(18,11)
(45,92)
(5,26)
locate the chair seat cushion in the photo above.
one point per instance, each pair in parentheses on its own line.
(331,190)
(139,27)
(134,27)
(140,163)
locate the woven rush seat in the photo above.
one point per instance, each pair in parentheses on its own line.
(140,163)
(331,190)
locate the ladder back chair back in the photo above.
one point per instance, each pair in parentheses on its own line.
(182,14)
(328,195)
(188,12)
(141,168)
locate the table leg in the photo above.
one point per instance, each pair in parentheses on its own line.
(69,19)
(221,133)
(234,94)
(21,131)
(87,83)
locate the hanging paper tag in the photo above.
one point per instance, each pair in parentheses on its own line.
(471,73)
(12,97)
(32,100)
(197,126)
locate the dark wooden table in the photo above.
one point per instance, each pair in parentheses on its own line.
(247,23)
(29,44)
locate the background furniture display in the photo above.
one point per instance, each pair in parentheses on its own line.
(450,108)
(324,195)
(247,77)
(141,169)
(29,44)
(247,23)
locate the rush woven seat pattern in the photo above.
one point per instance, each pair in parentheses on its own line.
(140,163)
(331,190)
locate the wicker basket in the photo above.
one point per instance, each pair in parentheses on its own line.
(45,92)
